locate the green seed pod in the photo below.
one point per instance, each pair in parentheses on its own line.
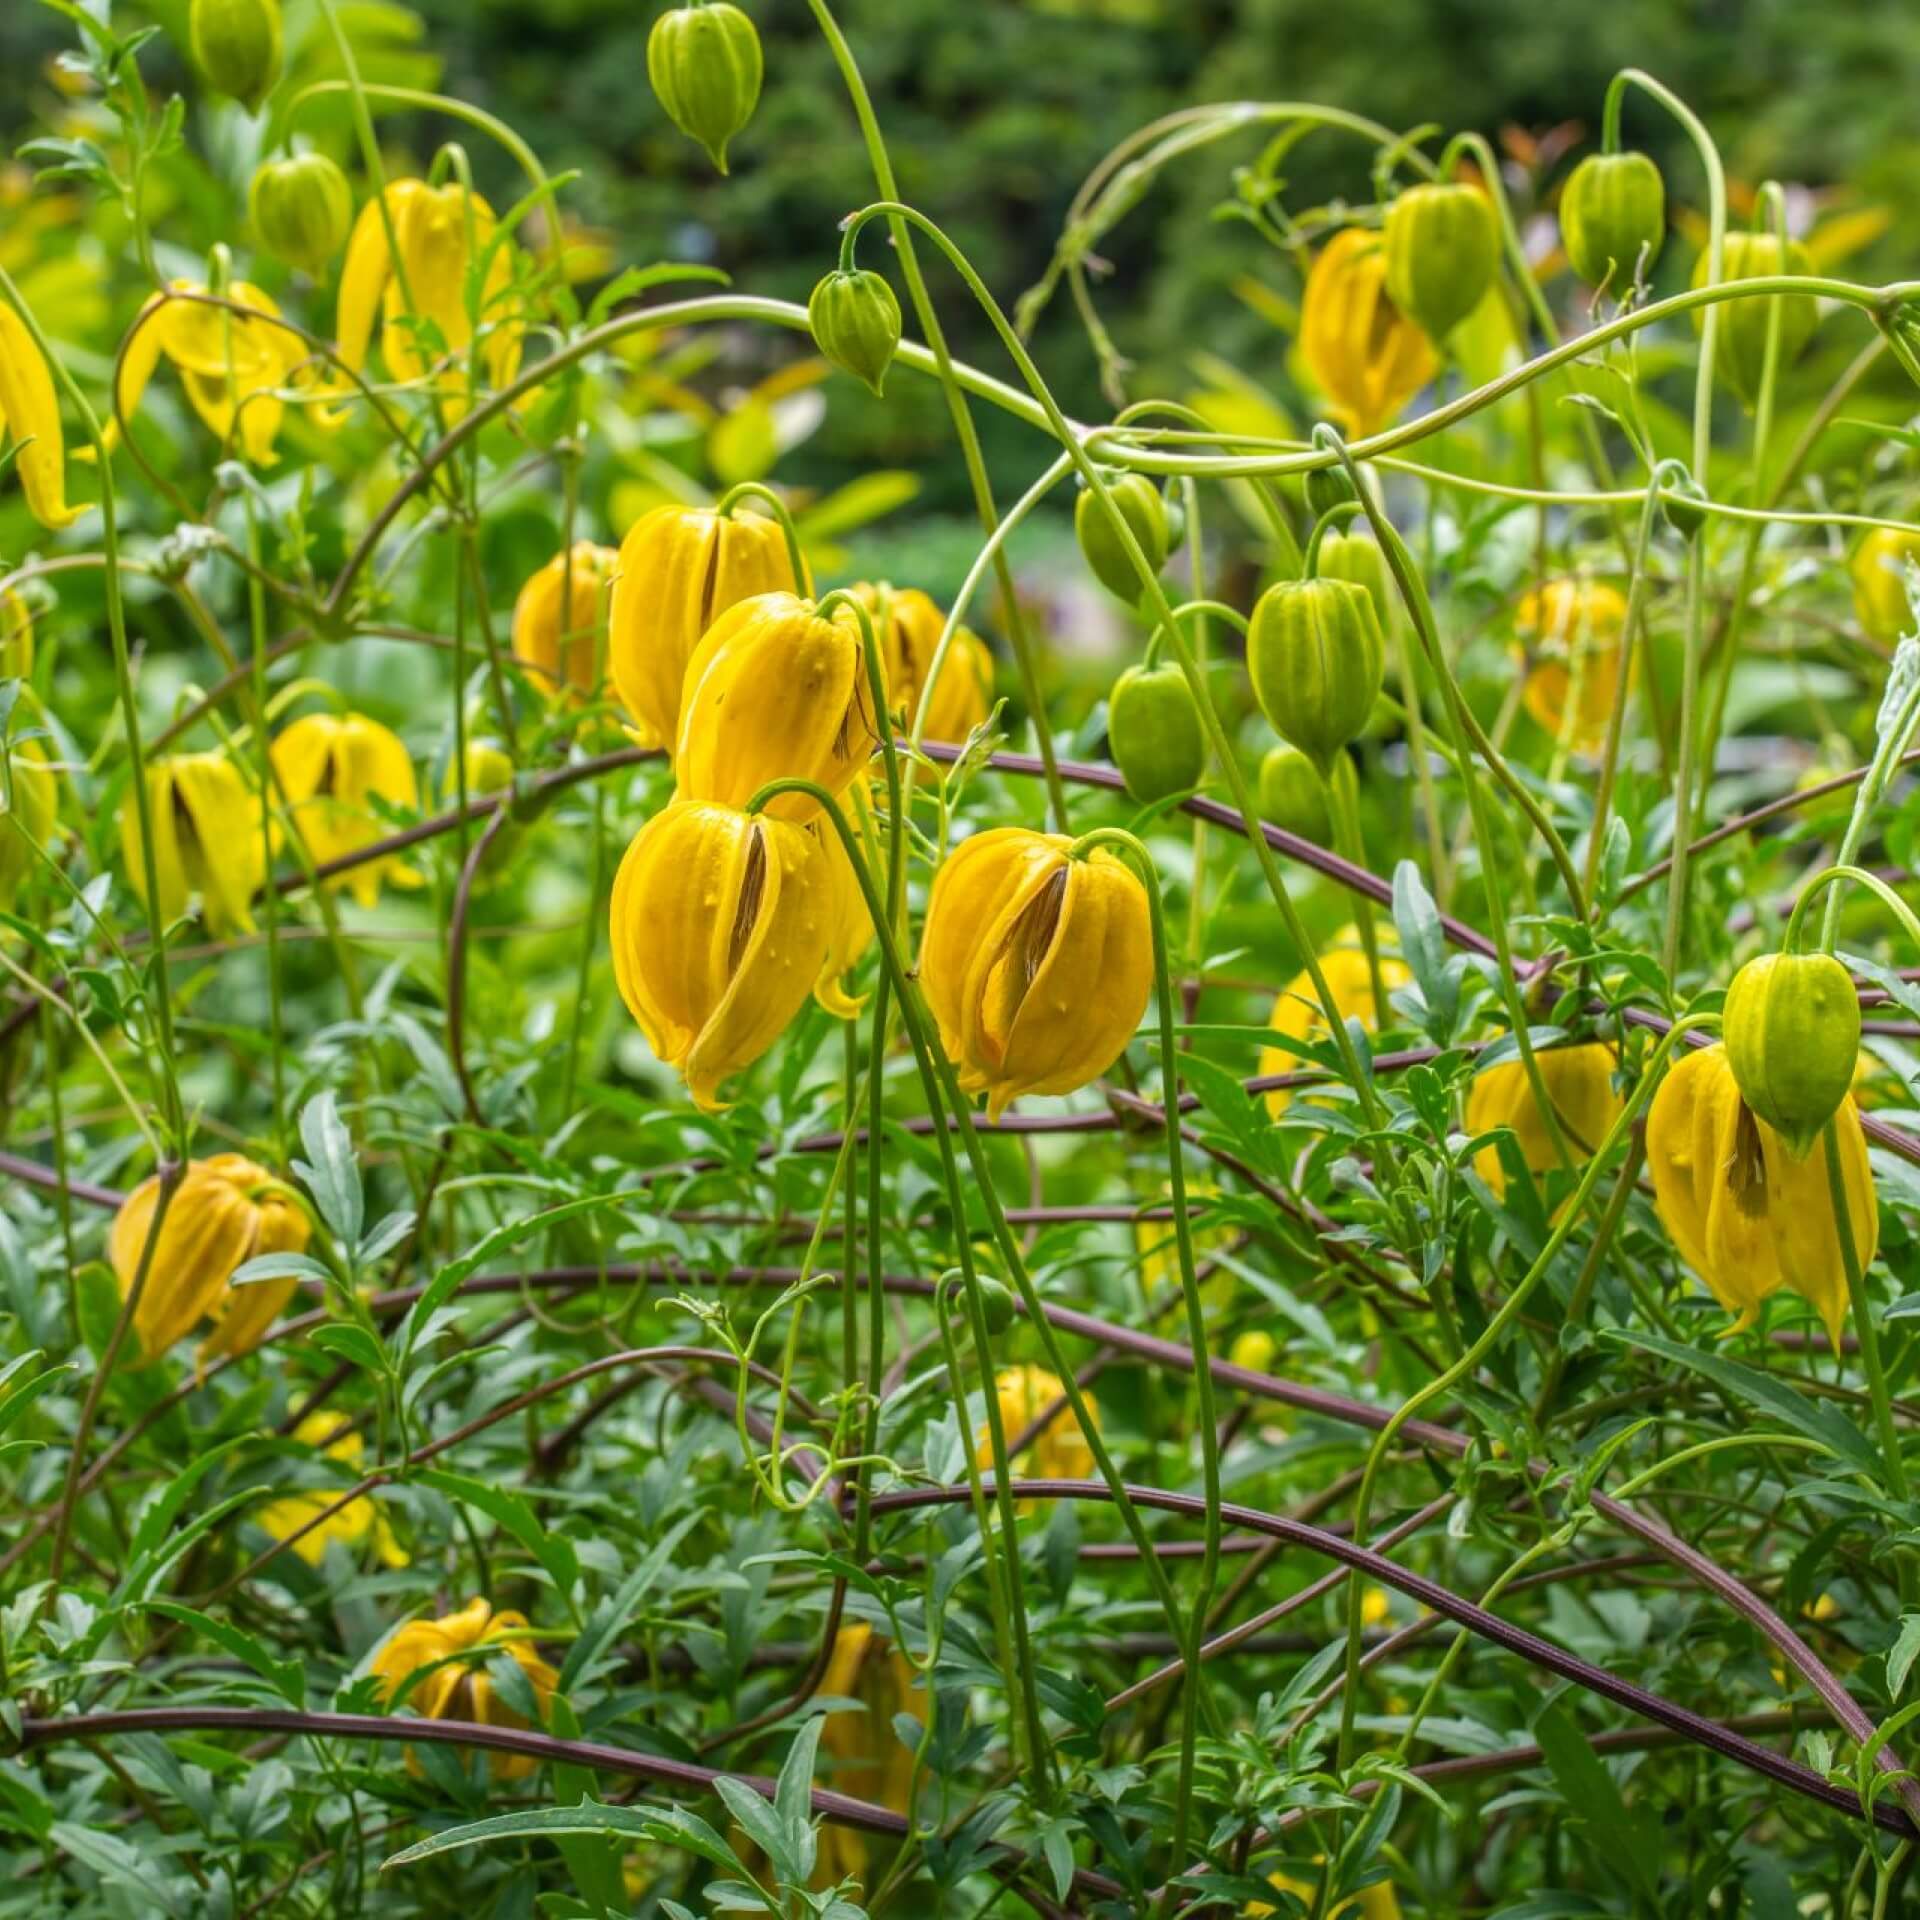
(1294,796)
(1317,657)
(1792,1031)
(1613,217)
(705,65)
(1145,512)
(302,209)
(1357,557)
(1442,249)
(996,1303)
(1327,488)
(1153,730)
(1741,350)
(856,324)
(1682,516)
(1176,519)
(236,44)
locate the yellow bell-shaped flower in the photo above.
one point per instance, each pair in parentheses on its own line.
(1364,354)
(333,766)
(1037,967)
(1377,1902)
(357,1521)
(225,1212)
(1158,1248)
(1297,1013)
(1578,633)
(561,652)
(1879,574)
(29,801)
(680,569)
(16,637)
(232,368)
(207,840)
(1579,1082)
(849,923)
(867,1757)
(1061,1452)
(1745,1215)
(30,414)
(773,690)
(719,925)
(450,1655)
(909,626)
(418,286)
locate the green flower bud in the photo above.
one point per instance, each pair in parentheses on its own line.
(1613,217)
(996,1303)
(1145,512)
(1357,557)
(1442,250)
(1327,488)
(1317,658)
(1741,350)
(1153,730)
(856,324)
(302,209)
(236,44)
(1293,795)
(1682,516)
(705,65)
(1791,1027)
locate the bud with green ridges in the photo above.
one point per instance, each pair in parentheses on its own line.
(1791,1026)
(1317,658)
(996,1302)
(1678,495)
(1741,350)
(705,65)
(856,323)
(1442,250)
(1357,557)
(1294,796)
(302,209)
(1327,488)
(1154,733)
(236,44)
(1613,218)
(1145,513)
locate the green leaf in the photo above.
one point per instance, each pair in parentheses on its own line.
(513,1516)
(663,1826)
(285,1677)
(330,1171)
(1620,1840)
(608,1620)
(1900,1656)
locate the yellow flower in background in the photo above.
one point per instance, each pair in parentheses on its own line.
(562,650)
(206,840)
(1579,1082)
(908,626)
(849,923)
(1744,1214)
(1878,571)
(333,766)
(868,1759)
(417,286)
(16,637)
(1037,967)
(225,1212)
(775,691)
(30,413)
(680,569)
(1061,1452)
(1297,1014)
(453,1687)
(29,801)
(232,368)
(1377,1902)
(1364,354)
(719,925)
(1577,632)
(1255,1350)
(357,1521)
(1159,1251)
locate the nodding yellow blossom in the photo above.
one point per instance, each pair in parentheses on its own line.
(16,637)
(333,767)
(450,1655)
(865,1755)
(29,801)
(232,368)
(1297,1014)
(1579,1082)
(1376,1607)
(1256,1350)
(909,628)
(1744,1214)
(1577,631)
(772,691)
(1377,1902)
(225,1212)
(207,840)
(30,414)
(418,286)
(719,926)
(680,569)
(357,1521)
(1364,354)
(1061,1451)
(1879,574)
(1159,1250)
(1037,967)
(561,651)
(849,923)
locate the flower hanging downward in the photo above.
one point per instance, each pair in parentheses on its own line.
(1747,1216)
(909,626)
(207,840)
(1297,1012)
(1578,631)
(29,804)
(333,768)
(309,1519)
(1037,967)
(1364,354)
(1579,1082)
(30,415)
(1060,1451)
(225,1212)
(557,620)
(719,925)
(870,1761)
(450,1657)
